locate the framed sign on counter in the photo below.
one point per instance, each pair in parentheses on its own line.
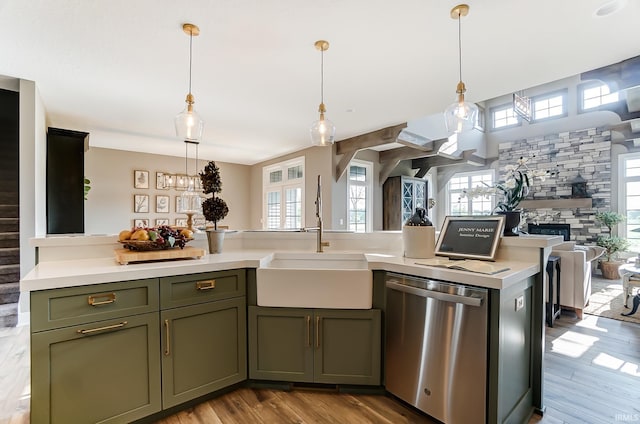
(475,237)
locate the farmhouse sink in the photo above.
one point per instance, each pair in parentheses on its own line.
(315,280)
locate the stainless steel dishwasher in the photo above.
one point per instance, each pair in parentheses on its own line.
(436,347)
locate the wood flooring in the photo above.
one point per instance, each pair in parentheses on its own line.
(592,376)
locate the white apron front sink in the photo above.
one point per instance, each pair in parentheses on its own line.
(315,280)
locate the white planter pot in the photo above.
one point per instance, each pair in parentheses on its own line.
(419,242)
(216,240)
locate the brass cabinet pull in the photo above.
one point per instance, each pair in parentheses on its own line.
(308,331)
(110,298)
(106,327)
(206,285)
(167,352)
(317,332)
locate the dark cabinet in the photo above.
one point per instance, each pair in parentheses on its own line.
(400,197)
(65,181)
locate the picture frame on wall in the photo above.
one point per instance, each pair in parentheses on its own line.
(162,221)
(181,222)
(140,223)
(161,181)
(141,203)
(140,179)
(162,204)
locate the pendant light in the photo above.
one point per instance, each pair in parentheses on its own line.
(322,131)
(460,116)
(189,125)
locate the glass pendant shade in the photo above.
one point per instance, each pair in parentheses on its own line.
(190,201)
(322,132)
(460,116)
(189,125)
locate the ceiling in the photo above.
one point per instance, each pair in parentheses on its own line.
(119,69)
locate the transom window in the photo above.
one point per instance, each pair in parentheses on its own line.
(503,117)
(359,188)
(283,195)
(459,204)
(598,95)
(549,106)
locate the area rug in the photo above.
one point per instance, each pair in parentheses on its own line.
(607,300)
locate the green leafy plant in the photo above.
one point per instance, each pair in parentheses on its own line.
(612,244)
(214,208)
(87,187)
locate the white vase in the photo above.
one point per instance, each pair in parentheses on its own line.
(419,242)
(216,240)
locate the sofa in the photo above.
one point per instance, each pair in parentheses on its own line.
(576,263)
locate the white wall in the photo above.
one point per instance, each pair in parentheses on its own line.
(109,205)
(32,171)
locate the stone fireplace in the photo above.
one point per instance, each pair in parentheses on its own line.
(585,153)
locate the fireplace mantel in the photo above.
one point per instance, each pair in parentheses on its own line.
(557,203)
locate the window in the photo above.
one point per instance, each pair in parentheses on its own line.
(549,106)
(458,205)
(283,194)
(595,95)
(504,117)
(359,189)
(630,199)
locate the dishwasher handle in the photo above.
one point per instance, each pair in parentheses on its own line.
(465,300)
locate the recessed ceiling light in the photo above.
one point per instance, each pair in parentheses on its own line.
(610,8)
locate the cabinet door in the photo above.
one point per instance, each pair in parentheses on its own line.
(105,371)
(203,349)
(347,346)
(280,341)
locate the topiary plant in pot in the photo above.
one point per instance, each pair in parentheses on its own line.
(612,244)
(214,208)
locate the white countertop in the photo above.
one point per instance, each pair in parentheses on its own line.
(70,273)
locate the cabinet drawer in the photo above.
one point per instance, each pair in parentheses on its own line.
(184,290)
(76,305)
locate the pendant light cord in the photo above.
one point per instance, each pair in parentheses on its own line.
(459,44)
(186,158)
(190,56)
(322,76)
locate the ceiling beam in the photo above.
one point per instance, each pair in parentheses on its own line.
(349,147)
(404,153)
(368,140)
(467,157)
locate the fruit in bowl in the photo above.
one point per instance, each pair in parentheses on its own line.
(156,238)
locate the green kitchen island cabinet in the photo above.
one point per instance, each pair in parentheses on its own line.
(118,352)
(92,359)
(204,343)
(315,345)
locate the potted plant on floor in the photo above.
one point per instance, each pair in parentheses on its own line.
(214,208)
(612,244)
